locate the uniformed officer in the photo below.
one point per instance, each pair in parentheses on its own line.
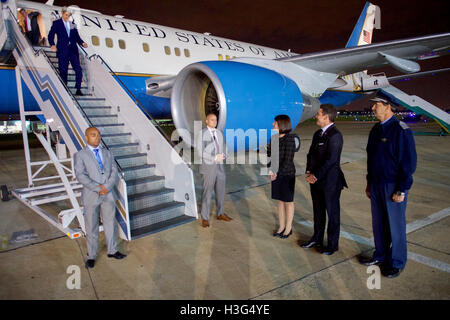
(391,161)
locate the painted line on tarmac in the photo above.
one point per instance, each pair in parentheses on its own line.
(415,225)
(412,256)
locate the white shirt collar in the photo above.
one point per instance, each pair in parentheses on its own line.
(92,148)
(326,127)
(383,122)
(211,130)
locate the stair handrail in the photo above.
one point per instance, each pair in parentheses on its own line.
(42,51)
(136,101)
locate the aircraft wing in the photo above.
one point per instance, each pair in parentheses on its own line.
(398,53)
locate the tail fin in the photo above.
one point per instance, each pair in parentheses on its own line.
(368,20)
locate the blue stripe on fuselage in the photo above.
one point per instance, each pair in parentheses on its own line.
(8,92)
(157,107)
(339,98)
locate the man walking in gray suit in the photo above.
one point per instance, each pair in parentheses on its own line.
(96,170)
(210,147)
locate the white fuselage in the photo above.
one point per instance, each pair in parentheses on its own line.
(141,48)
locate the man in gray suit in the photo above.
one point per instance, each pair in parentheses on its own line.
(96,170)
(210,147)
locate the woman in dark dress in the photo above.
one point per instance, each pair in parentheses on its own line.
(282,174)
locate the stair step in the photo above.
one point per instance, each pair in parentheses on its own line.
(146,170)
(72,85)
(117,138)
(97,111)
(103,119)
(155,214)
(111,128)
(85,92)
(161,226)
(124,149)
(91,101)
(131,160)
(141,185)
(149,199)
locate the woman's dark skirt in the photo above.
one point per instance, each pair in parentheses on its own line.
(283,188)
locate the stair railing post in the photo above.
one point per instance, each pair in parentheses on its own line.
(26,145)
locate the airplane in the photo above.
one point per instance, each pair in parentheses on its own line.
(184,75)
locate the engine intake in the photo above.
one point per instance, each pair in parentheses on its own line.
(243,96)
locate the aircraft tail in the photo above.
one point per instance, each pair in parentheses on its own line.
(368,20)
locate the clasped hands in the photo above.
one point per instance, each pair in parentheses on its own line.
(273,176)
(310,178)
(103,191)
(395,198)
(220,157)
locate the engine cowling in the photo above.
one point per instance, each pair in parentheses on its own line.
(242,95)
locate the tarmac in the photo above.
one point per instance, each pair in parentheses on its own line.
(240,259)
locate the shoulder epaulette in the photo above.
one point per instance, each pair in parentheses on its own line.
(403,125)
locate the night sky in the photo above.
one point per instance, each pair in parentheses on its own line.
(302,26)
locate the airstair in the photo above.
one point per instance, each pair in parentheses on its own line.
(156,189)
(418,106)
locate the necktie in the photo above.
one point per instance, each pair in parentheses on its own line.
(215,141)
(99,160)
(67,28)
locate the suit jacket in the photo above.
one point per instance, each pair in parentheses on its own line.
(324,157)
(66,45)
(89,174)
(206,150)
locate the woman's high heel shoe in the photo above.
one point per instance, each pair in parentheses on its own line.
(278,234)
(285,236)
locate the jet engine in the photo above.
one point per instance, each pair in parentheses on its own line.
(246,98)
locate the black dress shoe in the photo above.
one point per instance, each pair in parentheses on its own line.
(79,93)
(369,261)
(285,236)
(278,234)
(329,251)
(90,263)
(311,244)
(391,272)
(117,255)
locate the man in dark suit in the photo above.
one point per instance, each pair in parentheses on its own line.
(326,179)
(31,27)
(67,50)
(96,170)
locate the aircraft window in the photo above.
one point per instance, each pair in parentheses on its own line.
(177,52)
(187,53)
(95,41)
(220,57)
(167,50)
(227,57)
(122,44)
(109,42)
(145,47)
